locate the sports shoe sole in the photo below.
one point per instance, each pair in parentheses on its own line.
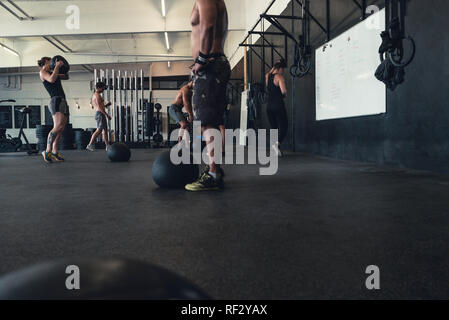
(204,189)
(45,158)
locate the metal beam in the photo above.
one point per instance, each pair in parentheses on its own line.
(261,59)
(21,10)
(312,17)
(62,44)
(357,4)
(252,45)
(54,44)
(258,21)
(271,45)
(286,48)
(262,65)
(276,23)
(11,12)
(267,33)
(9,49)
(280,17)
(87,68)
(328,19)
(363,9)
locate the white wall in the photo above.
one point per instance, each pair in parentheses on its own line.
(253,9)
(158,69)
(77,89)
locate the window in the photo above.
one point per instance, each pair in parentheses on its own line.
(35,116)
(156,85)
(18,116)
(168,85)
(6,117)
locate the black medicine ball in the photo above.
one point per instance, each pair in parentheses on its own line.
(168,175)
(64,69)
(104,279)
(119,152)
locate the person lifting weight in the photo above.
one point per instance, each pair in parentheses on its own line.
(58,106)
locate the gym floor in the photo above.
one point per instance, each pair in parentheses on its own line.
(308,232)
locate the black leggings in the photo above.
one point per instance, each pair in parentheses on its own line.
(278,120)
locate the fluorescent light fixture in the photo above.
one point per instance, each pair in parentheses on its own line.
(163,7)
(166,41)
(9,50)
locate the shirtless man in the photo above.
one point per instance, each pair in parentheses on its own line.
(183,100)
(100,117)
(211,74)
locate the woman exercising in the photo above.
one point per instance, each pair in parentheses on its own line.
(276,112)
(58,106)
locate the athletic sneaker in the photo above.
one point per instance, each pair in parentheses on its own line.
(107,148)
(57,157)
(207,169)
(205,183)
(90,147)
(47,156)
(277,150)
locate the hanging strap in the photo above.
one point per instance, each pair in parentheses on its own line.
(403,5)
(394,9)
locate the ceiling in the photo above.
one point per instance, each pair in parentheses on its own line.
(117,31)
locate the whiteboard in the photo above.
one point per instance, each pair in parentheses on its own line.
(345,67)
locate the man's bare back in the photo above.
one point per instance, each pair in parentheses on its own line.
(208,14)
(184,93)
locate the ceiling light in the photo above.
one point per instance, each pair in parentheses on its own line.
(9,50)
(166,41)
(163,7)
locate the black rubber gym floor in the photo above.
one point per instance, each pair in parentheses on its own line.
(307,233)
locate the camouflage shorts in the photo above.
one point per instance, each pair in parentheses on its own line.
(209,92)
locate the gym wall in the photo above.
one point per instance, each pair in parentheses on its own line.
(414,133)
(33,93)
(78,91)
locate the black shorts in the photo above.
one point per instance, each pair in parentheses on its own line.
(209,92)
(59,104)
